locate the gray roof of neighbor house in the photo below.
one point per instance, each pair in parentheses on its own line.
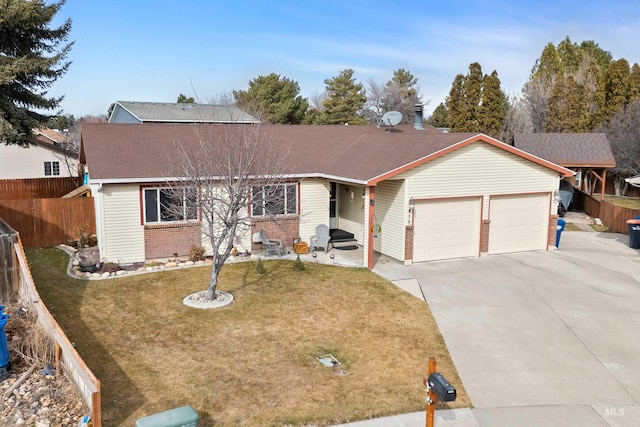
(165,112)
(360,154)
(568,149)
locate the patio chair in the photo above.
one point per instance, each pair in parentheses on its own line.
(321,238)
(271,246)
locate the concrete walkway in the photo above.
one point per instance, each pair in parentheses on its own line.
(539,338)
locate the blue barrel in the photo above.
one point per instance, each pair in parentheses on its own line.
(559,229)
(4,348)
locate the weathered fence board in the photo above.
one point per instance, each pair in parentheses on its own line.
(49,222)
(68,360)
(37,188)
(8,267)
(612,216)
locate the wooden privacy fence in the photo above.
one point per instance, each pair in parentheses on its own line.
(37,188)
(49,222)
(8,264)
(68,360)
(612,216)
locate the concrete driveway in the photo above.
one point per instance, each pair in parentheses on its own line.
(549,338)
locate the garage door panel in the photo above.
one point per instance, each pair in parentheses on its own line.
(518,223)
(445,229)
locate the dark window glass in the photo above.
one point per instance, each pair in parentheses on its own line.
(151,205)
(47,168)
(292,199)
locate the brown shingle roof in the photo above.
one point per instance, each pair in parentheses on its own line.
(128,152)
(568,149)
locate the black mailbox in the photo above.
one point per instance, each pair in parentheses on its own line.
(441,387)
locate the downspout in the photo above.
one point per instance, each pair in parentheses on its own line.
(371,224)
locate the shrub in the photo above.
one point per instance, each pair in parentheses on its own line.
(260,267)
(196,253)
(298,264)
(110,267)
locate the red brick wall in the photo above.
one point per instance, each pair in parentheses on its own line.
(553,222)
(166,240)
(285,229)
(408,243)
(484,235)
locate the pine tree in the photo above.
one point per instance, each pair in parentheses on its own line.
(455,104)
(345,100)
(440,117)
(476,103)
(32,57)
(614,90)
(275,98)
(493,108)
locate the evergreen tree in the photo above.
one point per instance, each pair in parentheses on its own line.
(182,99)
(440,117)
(455,104)
(567,107)
(401,94)
(476,103)
(493,107)
(345,100)
(32,58)
(614,90)
(274,98)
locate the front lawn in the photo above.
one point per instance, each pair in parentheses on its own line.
(625,202)
(253,362)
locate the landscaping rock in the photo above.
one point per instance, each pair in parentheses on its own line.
(88,257)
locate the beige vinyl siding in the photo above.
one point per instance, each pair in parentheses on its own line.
(21,163)
(314,206)
(479,169)
(351,212)
(123,232)
(391,212)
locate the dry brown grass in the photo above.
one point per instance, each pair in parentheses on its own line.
(253,362)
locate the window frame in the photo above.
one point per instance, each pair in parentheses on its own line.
(288,205)
(52,167)
(190,211)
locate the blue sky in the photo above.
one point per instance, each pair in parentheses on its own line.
(143,50)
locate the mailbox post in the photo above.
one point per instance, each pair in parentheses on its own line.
(438,389)
(431,396)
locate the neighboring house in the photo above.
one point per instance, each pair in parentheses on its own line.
(39,160)
(587,154)
(412,195)
(163,112)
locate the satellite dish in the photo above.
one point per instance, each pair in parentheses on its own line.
(391,118)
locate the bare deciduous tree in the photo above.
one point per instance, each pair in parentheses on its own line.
(221,177)
(623,132)
(374,108)
(517,119)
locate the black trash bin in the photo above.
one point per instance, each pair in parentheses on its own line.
(634,233)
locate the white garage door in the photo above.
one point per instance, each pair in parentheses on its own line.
(445,229)
(518,223)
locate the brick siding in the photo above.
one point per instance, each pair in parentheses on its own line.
(484,235)
(285,229)
(553,222)
(167,240)
(408,243)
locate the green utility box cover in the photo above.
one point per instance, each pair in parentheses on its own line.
(185,416)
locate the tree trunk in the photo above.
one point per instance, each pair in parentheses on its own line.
(213,279)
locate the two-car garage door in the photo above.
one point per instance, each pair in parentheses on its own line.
(450,228)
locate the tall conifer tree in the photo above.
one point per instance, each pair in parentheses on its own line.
(32,57)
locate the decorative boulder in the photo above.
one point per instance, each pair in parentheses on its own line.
(89,259)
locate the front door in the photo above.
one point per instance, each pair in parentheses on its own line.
(333,206)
